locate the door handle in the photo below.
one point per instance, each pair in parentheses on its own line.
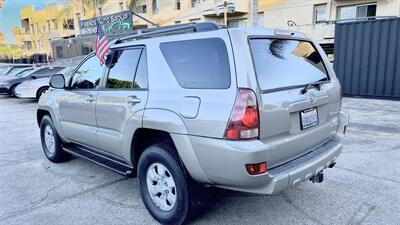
(133,100)
(90,99)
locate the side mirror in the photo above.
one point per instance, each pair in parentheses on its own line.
(57,81)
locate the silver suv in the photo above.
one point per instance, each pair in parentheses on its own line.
(186,106)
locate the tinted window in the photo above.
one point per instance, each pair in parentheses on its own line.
(88,75)
(283,63)
(45,72)
(122,68)
(199,63)
(141,73)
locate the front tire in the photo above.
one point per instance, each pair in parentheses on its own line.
(51,142)
(164,185)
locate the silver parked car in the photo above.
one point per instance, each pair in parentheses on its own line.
(253,110)
(36,87)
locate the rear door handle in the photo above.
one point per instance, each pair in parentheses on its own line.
(90,99)
(133,100)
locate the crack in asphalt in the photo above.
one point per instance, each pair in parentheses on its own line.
(298,208)
(39,204)
(367,175)
(361,214)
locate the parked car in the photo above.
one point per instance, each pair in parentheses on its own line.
(12,68)
(34,88)
(8,85)
(253,110)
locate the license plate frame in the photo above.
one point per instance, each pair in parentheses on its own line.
(309,118)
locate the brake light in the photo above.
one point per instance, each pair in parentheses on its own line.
(244,121)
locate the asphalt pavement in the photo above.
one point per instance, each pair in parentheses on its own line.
(363,188)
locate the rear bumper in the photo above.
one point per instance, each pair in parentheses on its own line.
(223,163)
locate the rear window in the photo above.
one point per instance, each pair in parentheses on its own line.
(281,63)
(201,63)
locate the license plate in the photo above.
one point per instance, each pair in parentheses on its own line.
(309,118)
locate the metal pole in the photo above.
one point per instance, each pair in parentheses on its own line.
(225,13)
(254,14)
(141,17)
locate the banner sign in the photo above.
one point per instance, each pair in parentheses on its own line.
(117,23)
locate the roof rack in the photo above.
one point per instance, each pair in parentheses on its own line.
(170,30)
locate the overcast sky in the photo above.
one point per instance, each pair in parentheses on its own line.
(9,15)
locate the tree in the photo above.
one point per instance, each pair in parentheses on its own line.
(2,40)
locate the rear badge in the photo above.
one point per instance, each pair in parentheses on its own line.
(311,97)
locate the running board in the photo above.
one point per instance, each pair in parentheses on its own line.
(100,159)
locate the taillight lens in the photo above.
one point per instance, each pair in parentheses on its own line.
(244,120)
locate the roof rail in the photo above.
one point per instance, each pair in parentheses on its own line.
(170,30)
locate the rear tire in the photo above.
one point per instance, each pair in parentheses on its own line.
(164,184)
(51,142)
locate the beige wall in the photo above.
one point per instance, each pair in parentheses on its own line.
(302,13)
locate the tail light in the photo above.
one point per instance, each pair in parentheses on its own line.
(244,120)
(256,169)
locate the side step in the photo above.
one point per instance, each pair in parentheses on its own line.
(100,159)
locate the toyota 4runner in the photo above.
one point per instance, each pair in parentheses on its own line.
(253,110)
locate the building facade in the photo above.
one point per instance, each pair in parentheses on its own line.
(39,27)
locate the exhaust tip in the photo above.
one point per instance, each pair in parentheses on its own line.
(317,178)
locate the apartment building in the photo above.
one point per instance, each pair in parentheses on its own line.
(39,27)
(317,18)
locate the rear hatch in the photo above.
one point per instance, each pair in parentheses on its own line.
(293,120)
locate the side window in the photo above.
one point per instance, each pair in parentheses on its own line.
(201,63)
(122,68)
(141,72)
(88,75)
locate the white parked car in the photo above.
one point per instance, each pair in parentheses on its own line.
(35,88)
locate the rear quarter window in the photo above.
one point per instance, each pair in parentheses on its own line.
(201,63)
(282,64)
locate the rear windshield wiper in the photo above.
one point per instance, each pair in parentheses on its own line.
(315,84)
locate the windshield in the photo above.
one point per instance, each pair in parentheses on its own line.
(281,63)
(4,70)
(16,70)
(24,73)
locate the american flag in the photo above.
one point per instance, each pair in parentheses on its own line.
(102,47)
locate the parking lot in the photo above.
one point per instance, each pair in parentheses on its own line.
(363,188)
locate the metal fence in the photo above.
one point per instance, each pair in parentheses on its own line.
(367,58)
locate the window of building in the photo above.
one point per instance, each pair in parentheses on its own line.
(54,24)
(123,68)
(195,3)
(355,12)
(121,6)
(155,5)
(78,16)
(68,24)
(99,11)
(48,25)
(88,75)
(142,8)
(178,4)
(178,22)
(242,23)
(320,13)
(201,63)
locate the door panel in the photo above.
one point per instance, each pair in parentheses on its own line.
(78,121)
(113,110)
(78,104)
(123,98)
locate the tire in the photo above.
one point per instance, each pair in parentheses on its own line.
(41,91)
(156,156)
(12,91)
(52,147)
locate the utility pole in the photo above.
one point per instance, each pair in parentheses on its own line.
(225,13)
(254,13)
